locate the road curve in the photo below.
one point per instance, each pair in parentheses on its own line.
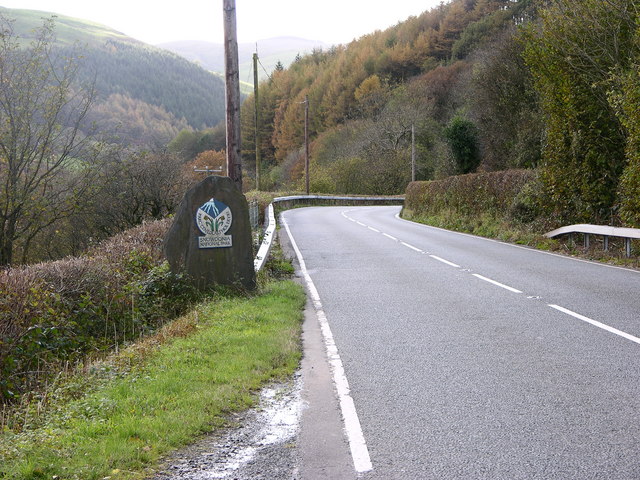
(470,358)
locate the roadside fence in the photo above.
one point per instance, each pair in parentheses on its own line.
(285,203)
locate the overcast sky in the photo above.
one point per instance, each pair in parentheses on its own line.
(157,21)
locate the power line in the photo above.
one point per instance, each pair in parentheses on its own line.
(265,70)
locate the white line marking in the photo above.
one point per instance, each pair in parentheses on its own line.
(501,285)
(361,224)
(389,236)
(411,247)
(373,229)
(357,443)
(521,247)
(596,323)
(447,262)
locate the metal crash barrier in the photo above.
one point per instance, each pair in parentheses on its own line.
(285,203)
(585,229)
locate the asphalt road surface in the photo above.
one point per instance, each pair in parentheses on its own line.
(469,358)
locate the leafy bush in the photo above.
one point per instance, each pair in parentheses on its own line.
(462,136)
(627,104)
(575,54)
(59,312)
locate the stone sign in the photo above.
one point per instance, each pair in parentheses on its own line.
(210,238)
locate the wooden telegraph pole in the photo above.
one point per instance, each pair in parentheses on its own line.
(306,141)
(257,117)
(232,90)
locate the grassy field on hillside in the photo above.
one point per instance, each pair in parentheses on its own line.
(68,29)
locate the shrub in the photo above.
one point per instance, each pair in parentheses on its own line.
(58,312)
(462,137)
(471,194)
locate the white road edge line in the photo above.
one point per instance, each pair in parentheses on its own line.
(357,443)
(411,247)
(446,262)
(498,284)
(529,249)
(596,323)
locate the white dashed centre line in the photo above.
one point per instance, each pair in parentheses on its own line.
(506,287)
(446,262)
(596,323)
(411,247)
(498,284)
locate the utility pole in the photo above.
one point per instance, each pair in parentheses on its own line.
(232,90)
(306,141)
(257,118)
(413,153)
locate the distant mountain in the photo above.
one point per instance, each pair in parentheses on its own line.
(148,93)
(270,51)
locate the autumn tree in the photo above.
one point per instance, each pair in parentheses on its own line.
(44,157)
(134,122)
(371,96)
(361,80)
(213,160)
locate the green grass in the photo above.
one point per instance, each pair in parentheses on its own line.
(484,225)
(491,226)
(228,350)
(68,29)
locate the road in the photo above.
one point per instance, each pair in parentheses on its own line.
(470,358)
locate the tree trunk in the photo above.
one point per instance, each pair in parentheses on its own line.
(6,246)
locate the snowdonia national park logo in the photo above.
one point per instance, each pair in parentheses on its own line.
(214,219)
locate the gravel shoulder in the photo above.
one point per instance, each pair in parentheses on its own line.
(260,444)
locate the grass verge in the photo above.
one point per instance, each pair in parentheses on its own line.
(141,409)
(491,226)
(484,225)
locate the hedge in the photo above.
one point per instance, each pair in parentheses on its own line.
(61,312)
(505,193)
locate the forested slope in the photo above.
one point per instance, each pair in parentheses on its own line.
(146,95)
(486,85)
(365,96)
(158,78)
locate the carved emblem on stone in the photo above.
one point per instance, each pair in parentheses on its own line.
(214,219)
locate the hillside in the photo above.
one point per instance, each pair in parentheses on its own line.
(145,93)
(69,30)
(482,85)
(271,51)
(365,96)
